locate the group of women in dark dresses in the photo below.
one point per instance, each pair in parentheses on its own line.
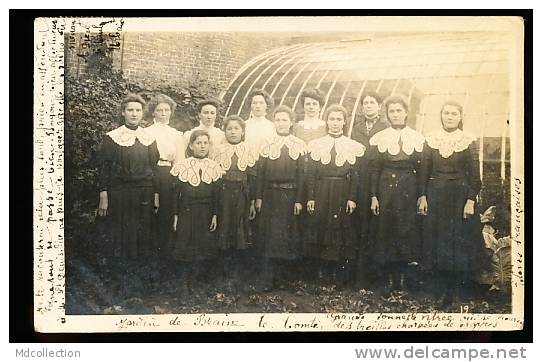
(327,200)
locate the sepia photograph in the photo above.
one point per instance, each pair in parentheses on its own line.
(278,174)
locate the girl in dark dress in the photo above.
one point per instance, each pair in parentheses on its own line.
(196,207)
(332,182)
(394,194)
(236,199)
(126,173)
(450,182)
(162,107)
(278,198)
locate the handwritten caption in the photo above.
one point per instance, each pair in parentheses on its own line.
(319,322)
(50,38)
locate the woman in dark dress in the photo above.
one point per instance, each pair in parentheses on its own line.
(162,108)
(236,199)
(450,183)
(332,182)
(126,175)
(394,194)
(196,206)
(278,198)
(362,129)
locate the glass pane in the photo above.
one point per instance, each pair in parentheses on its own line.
(351,95)
(430,70)
(386,87)
(495,55)
(424,84)
(489,68)
(286,79)
(470,68)
(233,88)
(479,84)
(326,81)
(474,105)
(433,104)
(497,103)
(499,83)
(295,89)
(448,70)
(404,87)
(264,77)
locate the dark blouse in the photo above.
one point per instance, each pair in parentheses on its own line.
(186,194)
(119,165)
(384,160)
(283,170)
(317,171)
(460,165)
(234,174)
(359,130)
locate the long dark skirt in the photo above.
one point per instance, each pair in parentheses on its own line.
(395,236)
(329,234)
(363,207)
(129,221)
(278,227)
(450,242)
(194,240)
(162,224)
(365,269)
(234,208)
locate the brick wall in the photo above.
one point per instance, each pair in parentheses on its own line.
(179,58)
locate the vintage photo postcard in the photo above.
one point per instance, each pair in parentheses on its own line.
(270,174)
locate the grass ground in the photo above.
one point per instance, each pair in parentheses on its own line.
(92,289)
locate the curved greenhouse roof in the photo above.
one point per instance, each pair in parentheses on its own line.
(472,68)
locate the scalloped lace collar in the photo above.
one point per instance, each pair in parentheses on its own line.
(196,170)
(347,150)
(449,142)
(271,149)
(388,141)
(247,155)
(125,137)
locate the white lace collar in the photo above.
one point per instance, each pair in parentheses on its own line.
(124,136)
(311,124)
(388,141)
(196,170)
(271,148)
(346,149)
(449,142)
(246,155)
